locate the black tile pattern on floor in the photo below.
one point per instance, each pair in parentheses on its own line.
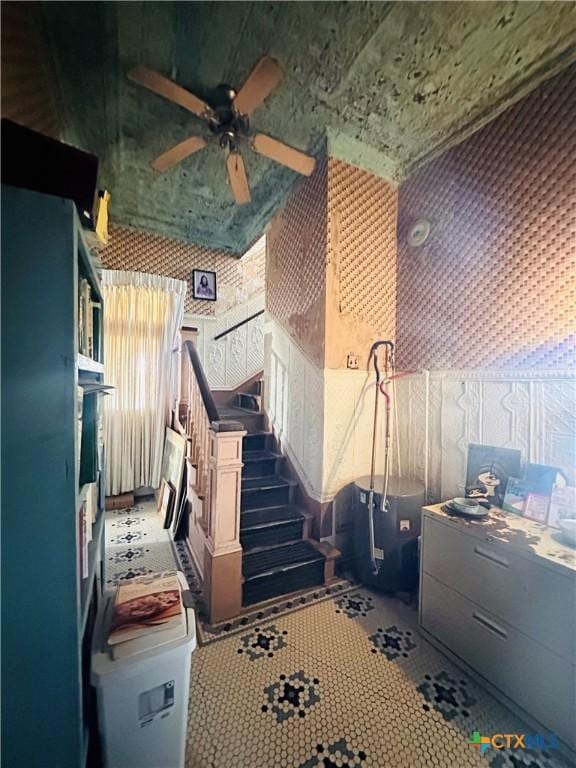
(127,522)
(337,754)
(355,605)
(264,642)
(393,642)
(127,538)
(446,695)
(291,695)
(128,555)
(131,573)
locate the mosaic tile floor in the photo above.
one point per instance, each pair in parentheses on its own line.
(346,681)
(136,544)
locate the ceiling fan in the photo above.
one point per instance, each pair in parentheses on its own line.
(228,118)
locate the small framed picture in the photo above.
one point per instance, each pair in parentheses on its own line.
(165,502)
(204,285)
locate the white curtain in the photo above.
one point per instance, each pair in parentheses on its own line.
(142,316)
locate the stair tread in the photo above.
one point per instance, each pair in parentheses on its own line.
(234,411)
(254,484)
(267,560)
(266,517)
(260,454)
(238,412)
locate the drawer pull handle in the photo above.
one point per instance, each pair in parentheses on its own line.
(492,556)
(490,625)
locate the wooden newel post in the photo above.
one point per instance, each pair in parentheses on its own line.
(223,552)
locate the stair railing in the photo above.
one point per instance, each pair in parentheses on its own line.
(238,325)
(214,487)
(200,414)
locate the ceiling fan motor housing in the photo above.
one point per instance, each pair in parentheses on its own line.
(228,124)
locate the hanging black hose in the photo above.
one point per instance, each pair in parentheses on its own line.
(389,356)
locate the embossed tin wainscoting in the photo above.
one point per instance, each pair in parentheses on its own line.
(440,413)
(233,359)
(323,418)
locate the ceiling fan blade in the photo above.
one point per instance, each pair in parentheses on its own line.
(260,83)
(170,90)
(238,178)
(283,154)
(177,153)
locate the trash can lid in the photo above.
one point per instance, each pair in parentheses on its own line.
(397,486)
(113,659)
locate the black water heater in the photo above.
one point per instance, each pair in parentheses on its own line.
(396,532)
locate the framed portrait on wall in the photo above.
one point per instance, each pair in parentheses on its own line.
(204,285)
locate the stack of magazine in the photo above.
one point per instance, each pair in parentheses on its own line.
(146,605)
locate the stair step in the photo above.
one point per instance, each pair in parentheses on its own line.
(263,483)
(270,525)
(279,570)
(270,491)
(259,463)
(260,453)
(248,401)
(256,441)
(252,421)
(270,515)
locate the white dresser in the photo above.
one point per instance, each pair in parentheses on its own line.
(499,597)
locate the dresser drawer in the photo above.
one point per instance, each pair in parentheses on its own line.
(537,679)
(534,599)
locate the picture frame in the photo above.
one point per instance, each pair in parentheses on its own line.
(166,496)
(203,285)
(173,457)
(487,471)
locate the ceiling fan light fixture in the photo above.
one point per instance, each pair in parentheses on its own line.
(228,119)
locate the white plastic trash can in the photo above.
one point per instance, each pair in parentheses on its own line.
(143,691)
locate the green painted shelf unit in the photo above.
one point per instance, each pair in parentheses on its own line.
(51,582)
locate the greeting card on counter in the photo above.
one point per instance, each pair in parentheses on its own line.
(536,507)
(562,505)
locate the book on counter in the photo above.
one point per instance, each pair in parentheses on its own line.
(144,605)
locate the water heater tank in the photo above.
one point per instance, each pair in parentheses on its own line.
(396,532)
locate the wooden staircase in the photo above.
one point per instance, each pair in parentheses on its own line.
(279,556)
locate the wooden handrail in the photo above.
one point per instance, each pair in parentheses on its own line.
(238,325)
(207,399)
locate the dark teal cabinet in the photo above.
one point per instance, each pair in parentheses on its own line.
(50,581)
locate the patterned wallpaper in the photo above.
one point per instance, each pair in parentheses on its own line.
(362,219)
(335,234)
(237,279)
(495,284)
(295,277)
(362,211)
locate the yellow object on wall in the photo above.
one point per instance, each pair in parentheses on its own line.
(102,217)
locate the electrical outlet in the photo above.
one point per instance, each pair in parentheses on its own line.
(352,362)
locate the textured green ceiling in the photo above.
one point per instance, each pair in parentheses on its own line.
(388,83)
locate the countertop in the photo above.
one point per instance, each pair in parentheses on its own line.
(528,539)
